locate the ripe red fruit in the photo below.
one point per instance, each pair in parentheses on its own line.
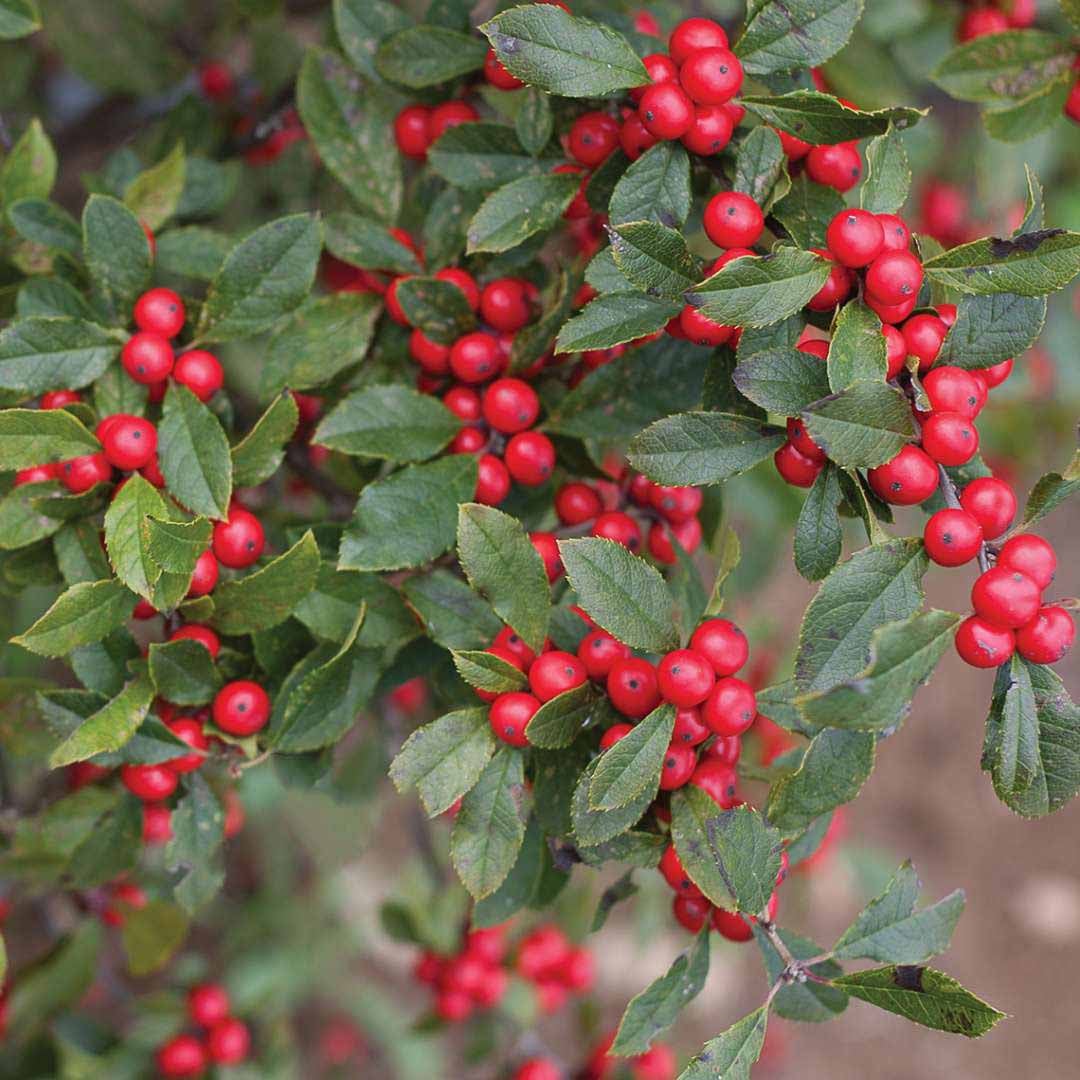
(890,313)
(855,237)
(660,68)
(837,287)
(952,537)
(733,219)
(666,110)
(979,21)
(685,678)
(577,503)
(463,402)
(160,311)
(555,672)
(675,874)
(895,351)
(730,708)
(508,640)
(130,442)
(598,651)
(894,278)
(657,1063)
(710,132)
(691,912)
(464,281)
(800,438)
(205,575)
(510,405)
(208,1004)
(725,748)
(620,527)
(239,539)
(228,1042)
(181,1056)
(661,534)
(592,137)
(895,235)
(36,474)
(796,468)
(510,713)
(614,734)
(147,358)
(82,473)
(241,708)
(492,480)
(723,644)
(197,632)
(923,336)
(838,166)
(430,355)
(689,729)
(694,34)
(151,783)
(814,347)
(188,730)
(678,766)
(952,389)
(474,358)
(717,780)
(1031,555)
(711,76)
(635,138)
(537,1069)
(1048,637)
(547,547)
(57,399)
(909,478)
(676,503)
(450,114)
(731,925)
(1005,597)
(992,503)
(701,330)
(504,304)
(633,687)
(200,371)
(530,458)
(497,75)
(157,823)
(412,131)
(982,644)
(950,438)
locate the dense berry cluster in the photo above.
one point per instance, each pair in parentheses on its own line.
(225,1039)
(659,1062)
(981,18)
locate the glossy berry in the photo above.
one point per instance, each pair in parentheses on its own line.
(800,438)
(510,405)
(895,351)
(216,81)
(661,534)
(689,728)
(160,311)
(200,371)
(702,330)
(188,730)
(510,713)
(463,402)
(992,503)
(797,469)
(530,458)
(952,389)
(239,539)
(492,480)
(894,277)
(694,34)
(685,678)
(1005,597)
(547,547)
(537,1069)
(577,503)
(678,766)
(674,873)
(837,287)
(130,443)
(82,473)
(156,823)
(151,783)
(497,75)
(923,337)
(205,575)
(730,708)
(1048,637)
(731,925)
(147,358)
(620,527)
(997,374)
(633,688)
(1031,555)
(475,358)
(202,634)
(711,76)
(717,780)
(555,672)
(979,21)
(450,114)
(909,478)
(660,68)
(614,734)
(208,1004)
(733,219)
(676,504)
(598,651)
(666,111)
(952,537)
(592,137)
(464,281)
(181,1056)
(510,641)
(241,708)
(635,138)
(412,131)
(855,237)
(57,399)
(710,132)
(36,474)
(983,645)
(895,235)
(725,748)
(723,644)
(949,438)
(890,313)
(228,1041)
(838,166)
(691,912)
(505,305)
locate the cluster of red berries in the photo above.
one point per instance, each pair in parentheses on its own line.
(982,18)
(554,965)
(657,1063)
(226,1040)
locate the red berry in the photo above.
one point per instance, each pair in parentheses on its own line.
(814,347)
(723,644)
(661,68)
(82,473)
(504,304)
(537,1069)
(157,823)
(464,281)
(800,438)
(151,783)
(796,468)
(676,504)
(711,130)
(909,478)
(979,21)
(894,278)
(730,708)
(895,235)
(733,219)
(508,640)
(983,645)
(188,730)
(1072,103)
(216,81)
(241,708)
(952,537)
(890,313)
(463,402)
(36,474)
(412,131)
(691,912)
(837,287)
(1031,555)
(617,526)
(687,533)
(200,371)
(530,458)
(239,539)
(181,1056)
(147,358)
(731,925)
(160,311)
(680,760)
(208,1004)
(57,399)
(592,137)
(492,480)
(547,547)
(895,351)
(228,1042)
(992,503)
(685,678)
(1048,637)
(633,687)
(952,389)
(577,503)
(197,632)
(635,138)
(614,734)
(997,373)
(657,1063)
(450,114)
(1005,597)
(725,748)
(947,313)
(666,111)
(689,729)
(950,438)
(510,405)
(711,76)
(555,672)
(855,237)
(205,575)
(510,713)
(598,651)
(430,355)
(694,34)
(717,780)
(497,75)
(838,166)
(475,358)
(675,874)
(130,443)
(923,335)
(702,330)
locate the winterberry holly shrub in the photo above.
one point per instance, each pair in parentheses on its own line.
(367,408)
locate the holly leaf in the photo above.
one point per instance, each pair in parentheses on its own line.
(592,827)
(782,380)
(362,242)
(29,169)
(806,210)
(257,456)
(125,539)
(1033,264)
(42,436)
(654,258)
(483,156)
(361,27)
(888,174)
(110,727)
(450,612)
(634,762)
(193,453)
(154,194)
(198,824)
(116,252)
(822,119)
(656,187)
(819,535)
(152,934)
(486,671)
(49,353)
(761,168)
(438,308)
(520,209)
(18,18)
(426,55)
(1003,67)
(184,672)
(861,426)
(782,36)
(730,1056)
(1051,491)
(857,351)
(84,613)
(559,721)
(989,329)
(614,319)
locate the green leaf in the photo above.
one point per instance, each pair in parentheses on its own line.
(888,174)
(657,1007)
(592,827)
(192,251)
(805,212)
(730,1056)
(621,592)
(989,329)
(410,517)
(198,829)
(634,763)
(21,522)
(761,290)
(1051,491)
(40,354)
(483,156)
(819,535)
(545,47)
(559,721)
(490,826)
(352,131)
(29,169)
(362,242)
(152,934)
(420,56)
(812,1001)
(263,278)
(877,585)
(436,307)
(194,455)
(654,258)
(184,672)
(761,168)
(518,210)
(41,436)
(329,610)
(18,18)
(781,36)
(702,447)
(1003,67)
(1031,115)
(268,596)
(890,930)
(126,541)
(176,545)
(522,883)
(443,759)
(782,380)
(903,655)
(486,671)
(733,856)
(43,222)
(614,319)
(1011,752)
(861,426)
(503,566)
(85,613)
(257,456)
(450,612)
(111,849)
(656,187)
(923,996)
(534,122)
(821,119)
(1030,265)
(154,194)
(117,253)
(857,351)
(534,340)
(110,727)
(77,547)
(362,25)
